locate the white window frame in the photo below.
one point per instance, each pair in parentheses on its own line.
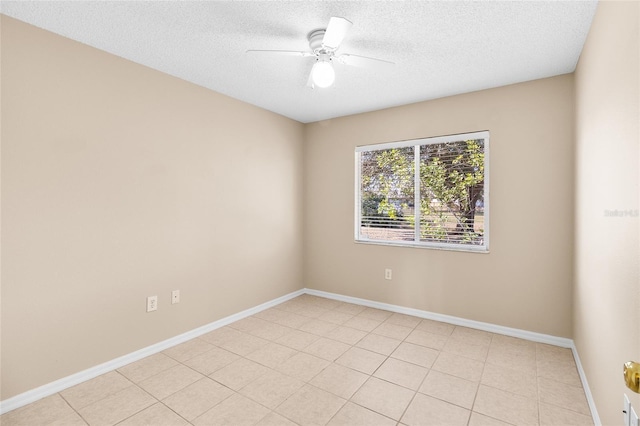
(417,143)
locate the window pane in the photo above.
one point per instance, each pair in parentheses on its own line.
(387,188)
(452,192)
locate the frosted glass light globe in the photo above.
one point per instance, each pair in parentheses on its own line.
(323,74)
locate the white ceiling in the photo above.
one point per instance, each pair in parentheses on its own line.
(439,48)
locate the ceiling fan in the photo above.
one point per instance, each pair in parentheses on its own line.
(324,44)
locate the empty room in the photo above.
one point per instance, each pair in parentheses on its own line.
(320,213)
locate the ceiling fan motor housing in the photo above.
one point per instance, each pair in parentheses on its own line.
(315,42)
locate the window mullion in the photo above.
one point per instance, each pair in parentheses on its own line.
(416,192)
(358,197)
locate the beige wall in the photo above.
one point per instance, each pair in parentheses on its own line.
(120,182)
(525,280)
(607,279)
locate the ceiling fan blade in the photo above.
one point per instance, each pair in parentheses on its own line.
(282,52)
(337,29)
(361,61)
(310,80)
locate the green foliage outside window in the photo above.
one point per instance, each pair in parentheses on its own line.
(451,177)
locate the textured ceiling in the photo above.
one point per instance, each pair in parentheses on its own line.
(439,48)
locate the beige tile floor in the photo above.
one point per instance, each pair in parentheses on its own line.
(315,361)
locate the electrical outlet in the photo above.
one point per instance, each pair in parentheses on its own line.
(387,274)
(152,303)
(175,297)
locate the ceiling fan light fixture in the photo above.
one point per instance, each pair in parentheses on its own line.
(324,44)
(323,74)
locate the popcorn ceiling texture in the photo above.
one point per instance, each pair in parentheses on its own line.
(440,48)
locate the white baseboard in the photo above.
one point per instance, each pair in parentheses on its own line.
(587,389)
(498,329)
(93,372)
(77,378)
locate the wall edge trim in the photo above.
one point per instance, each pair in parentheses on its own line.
(59,385)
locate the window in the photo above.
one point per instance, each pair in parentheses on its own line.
(430,192)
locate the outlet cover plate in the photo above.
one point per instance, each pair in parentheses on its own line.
(152,303)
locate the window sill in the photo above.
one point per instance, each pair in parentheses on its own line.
(443,247)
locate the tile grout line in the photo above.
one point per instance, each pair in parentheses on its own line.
(349,400)
(76,411)
(386,321)
(538,386)
(475,396)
